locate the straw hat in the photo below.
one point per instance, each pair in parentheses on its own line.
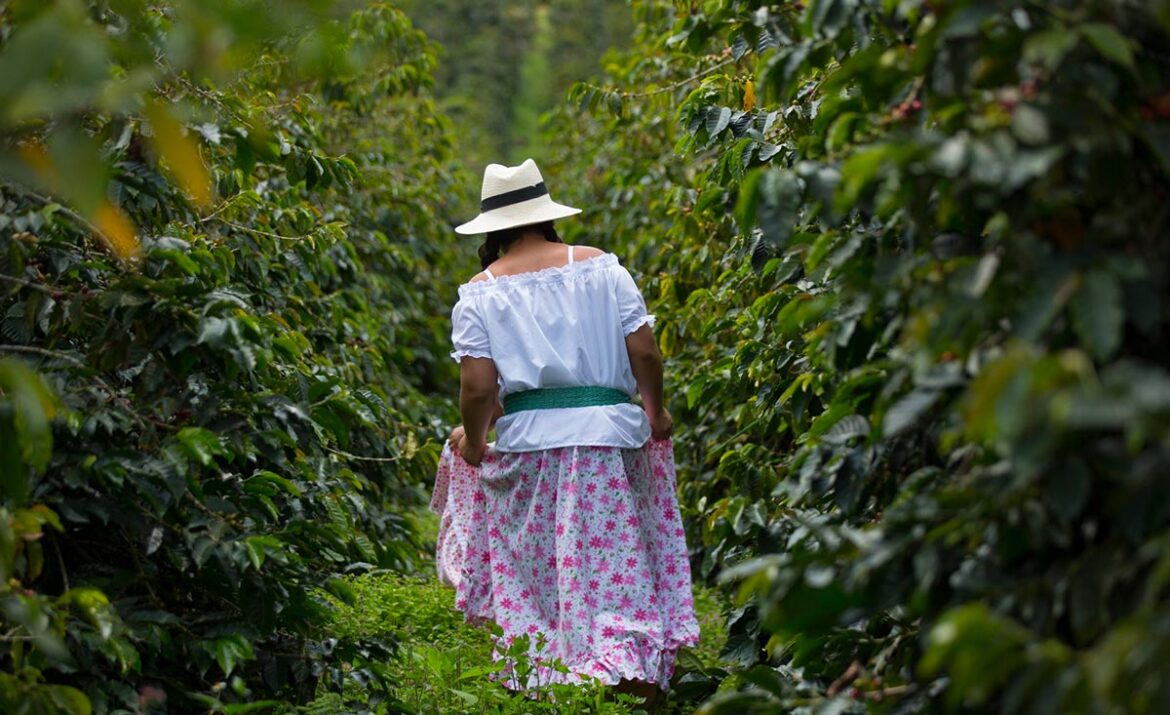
(514,196)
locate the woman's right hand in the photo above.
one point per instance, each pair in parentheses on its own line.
(661,424)
(472,454)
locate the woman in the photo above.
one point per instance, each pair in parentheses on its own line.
(576,534)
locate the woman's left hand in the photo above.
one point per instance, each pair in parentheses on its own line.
(472,454)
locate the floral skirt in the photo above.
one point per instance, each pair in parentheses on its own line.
(579,547)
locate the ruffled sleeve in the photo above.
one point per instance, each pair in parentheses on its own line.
(469,334)
(631,304)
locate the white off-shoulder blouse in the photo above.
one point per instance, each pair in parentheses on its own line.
(557,327)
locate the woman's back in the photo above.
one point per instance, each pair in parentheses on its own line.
(559,326)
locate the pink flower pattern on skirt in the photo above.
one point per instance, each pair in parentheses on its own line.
(584,545)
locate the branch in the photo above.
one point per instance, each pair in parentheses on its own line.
(208,96)
(72,215)
(56,355)
(222,207)
(673,86)
(60,562)
(31,350)
(681,82)
(32,285)
(347,455)
(258,232)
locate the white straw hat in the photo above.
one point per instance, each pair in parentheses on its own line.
(514,196)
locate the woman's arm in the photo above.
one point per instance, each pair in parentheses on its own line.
(458,432)
(478,397)
(646,364)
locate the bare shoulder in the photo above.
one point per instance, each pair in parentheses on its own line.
(580,252)
(481,276)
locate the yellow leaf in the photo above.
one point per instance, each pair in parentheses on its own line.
(36,158)
(749,96)
(115,229)
(118,230)
(181,154)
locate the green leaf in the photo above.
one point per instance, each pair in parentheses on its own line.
(200,444)
(1097,314)
(979,650)
(777,205)
(906,411)
(846,429)
(860,170)
(717,120)
(1050,291)
(1049,48)
(1109,42)
(26,409)
(784,67)
(96,607)
(342,589)
(968,19)
(827,419)
(464,696)
(68,700)
(828,17)
(995,400)
(266,482)
(821,181)
(201,549)
(694,392)
(767,678)
(255,546)
(1028,165)
(1030,125)
(214,331)
(229,651)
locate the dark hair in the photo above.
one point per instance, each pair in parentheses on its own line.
(500,240)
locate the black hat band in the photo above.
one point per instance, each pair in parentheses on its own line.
(513,197)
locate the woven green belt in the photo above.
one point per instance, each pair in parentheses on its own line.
(548,397)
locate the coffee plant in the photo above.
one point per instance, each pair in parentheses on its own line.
(223,303)
(909,264)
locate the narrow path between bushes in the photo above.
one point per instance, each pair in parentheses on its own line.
(442,663)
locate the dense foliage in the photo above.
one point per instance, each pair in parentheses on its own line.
(223,230)
(912,282)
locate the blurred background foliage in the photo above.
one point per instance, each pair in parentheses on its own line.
(909,264)
(505,63)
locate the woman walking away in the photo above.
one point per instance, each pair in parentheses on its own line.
(576,533)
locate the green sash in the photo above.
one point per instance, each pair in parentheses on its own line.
(549,397)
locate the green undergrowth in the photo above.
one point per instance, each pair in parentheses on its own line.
(441,664)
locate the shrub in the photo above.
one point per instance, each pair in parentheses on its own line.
(221,261)
(910,305)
